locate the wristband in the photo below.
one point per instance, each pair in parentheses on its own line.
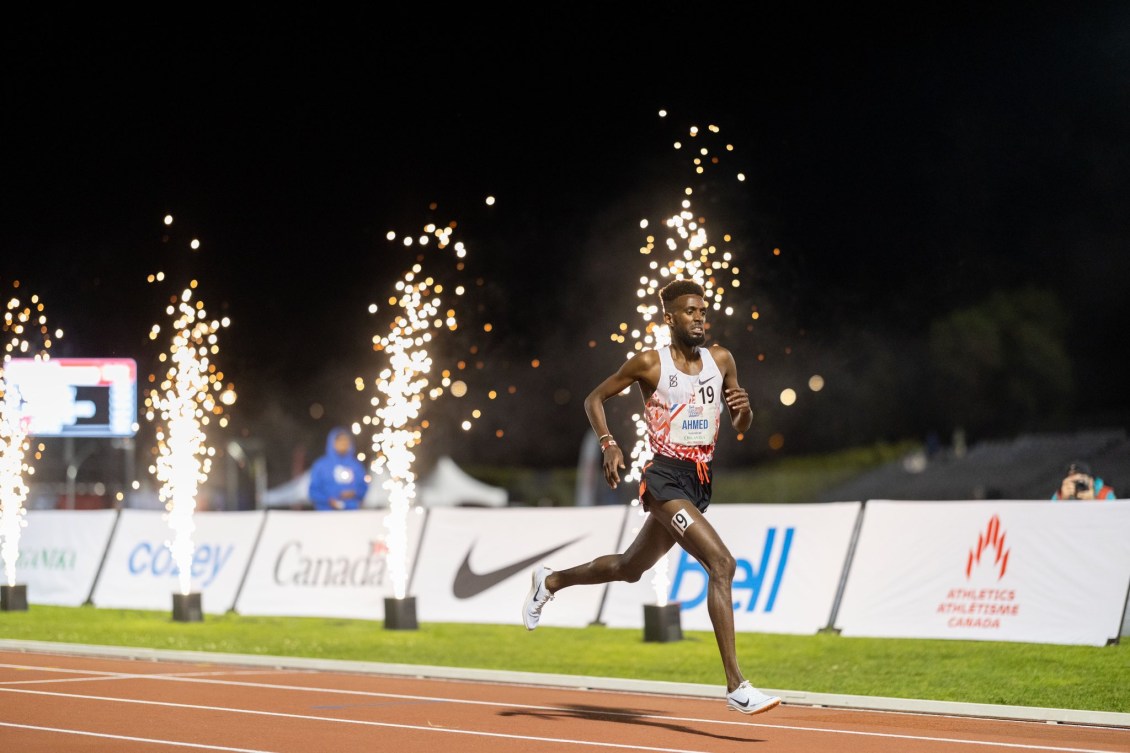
(605,445)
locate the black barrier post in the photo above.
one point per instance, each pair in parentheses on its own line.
(13,598)
(186,607)
(400,614)
(661,623)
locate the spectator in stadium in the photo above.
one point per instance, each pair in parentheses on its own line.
(1080,484)
(337,479)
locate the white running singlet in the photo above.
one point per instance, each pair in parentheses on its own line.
(683,412)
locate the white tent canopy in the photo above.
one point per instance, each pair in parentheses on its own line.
(447,485)
(292,492)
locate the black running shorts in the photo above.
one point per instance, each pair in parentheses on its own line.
(670,478)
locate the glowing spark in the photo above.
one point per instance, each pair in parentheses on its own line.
(181,404)
(25,332)
(691,255)
(660,581)
(424,308)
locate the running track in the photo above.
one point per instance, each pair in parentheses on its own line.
(61,697)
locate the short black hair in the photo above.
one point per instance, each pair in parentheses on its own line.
(1078,466)
(676,288)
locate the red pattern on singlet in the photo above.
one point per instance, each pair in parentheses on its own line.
(658,420)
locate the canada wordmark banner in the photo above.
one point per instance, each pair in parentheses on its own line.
(329,564)
(1027,571)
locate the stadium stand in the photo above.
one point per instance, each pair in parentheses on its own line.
(1029,466)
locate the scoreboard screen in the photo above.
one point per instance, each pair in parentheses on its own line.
(74,397)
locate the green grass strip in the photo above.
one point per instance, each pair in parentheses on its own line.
(1086,678)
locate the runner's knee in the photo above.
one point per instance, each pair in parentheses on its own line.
(722,567)
(628,571)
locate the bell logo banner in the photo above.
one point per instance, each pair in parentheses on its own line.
(789,559)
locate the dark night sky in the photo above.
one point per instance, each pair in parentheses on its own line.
(906,166)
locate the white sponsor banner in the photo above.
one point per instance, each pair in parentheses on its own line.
(139,572)
(790,559)
(325,564)
(1027,571)
(475,563)
(60,552)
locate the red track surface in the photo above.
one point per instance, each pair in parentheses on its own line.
(53,703)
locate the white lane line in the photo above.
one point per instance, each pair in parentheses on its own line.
(955,741)
(176,677)
(88,675)
(131,739)
(557,709)
(332,720)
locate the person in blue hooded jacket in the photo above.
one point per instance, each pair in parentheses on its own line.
(337,479)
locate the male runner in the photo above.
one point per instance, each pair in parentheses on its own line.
(684,386)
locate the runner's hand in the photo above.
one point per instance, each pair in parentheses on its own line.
(737,399)
(613,461)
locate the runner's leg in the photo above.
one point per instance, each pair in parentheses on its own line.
(701,541)
(651,543)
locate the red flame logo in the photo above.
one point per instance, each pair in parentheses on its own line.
(992,539)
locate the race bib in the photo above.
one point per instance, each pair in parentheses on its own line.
(693,423)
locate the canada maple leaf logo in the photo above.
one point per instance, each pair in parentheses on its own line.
(992,539)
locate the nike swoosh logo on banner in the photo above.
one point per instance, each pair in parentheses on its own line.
(468,583)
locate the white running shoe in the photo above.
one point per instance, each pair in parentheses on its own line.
(536,598)
(749,700)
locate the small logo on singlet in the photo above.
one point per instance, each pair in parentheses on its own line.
(673,380)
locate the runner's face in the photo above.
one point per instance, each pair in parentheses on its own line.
(687,319)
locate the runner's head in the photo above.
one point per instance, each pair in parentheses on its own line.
(684,311)
(676,288)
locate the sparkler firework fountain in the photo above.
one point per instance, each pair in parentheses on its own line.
(26,335)
(425,308)
(690,254)
(182,403)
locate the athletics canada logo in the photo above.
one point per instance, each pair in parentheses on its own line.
(989,542)
(982,606)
